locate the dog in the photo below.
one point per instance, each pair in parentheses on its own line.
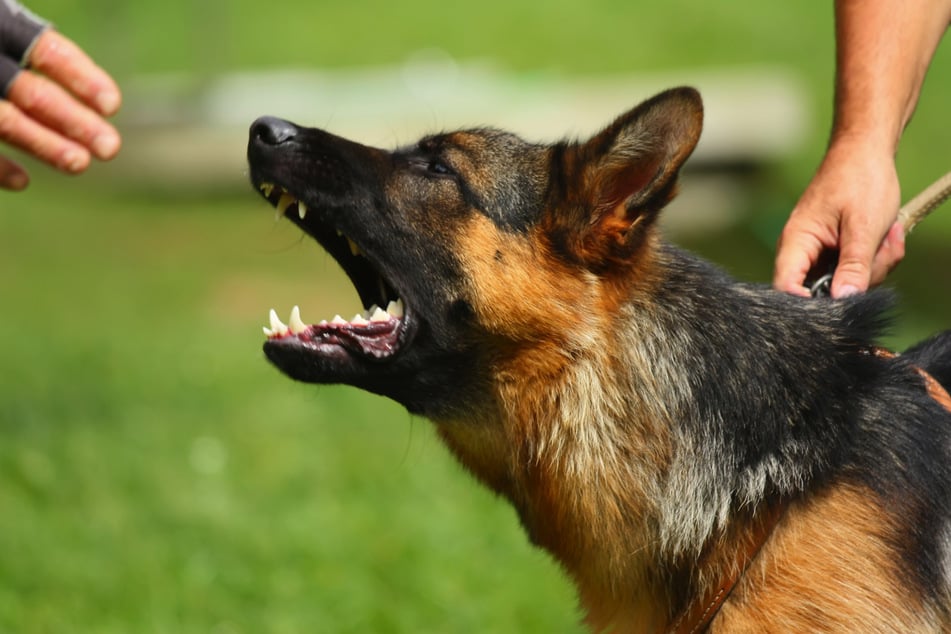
(696,452)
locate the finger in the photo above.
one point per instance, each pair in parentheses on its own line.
(853,274)
(21,131)
(60,59)
(12,175)
(890,253)
(796,254)
(50,105)
(789,276)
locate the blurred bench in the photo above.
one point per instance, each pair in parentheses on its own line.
(188,132)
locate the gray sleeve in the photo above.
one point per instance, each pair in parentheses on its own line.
(8,72)
(19,29)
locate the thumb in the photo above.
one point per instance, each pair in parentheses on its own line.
(12,175)
(853,273)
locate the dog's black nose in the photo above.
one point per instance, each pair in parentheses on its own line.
(273,131)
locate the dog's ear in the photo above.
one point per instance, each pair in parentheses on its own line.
(628,171)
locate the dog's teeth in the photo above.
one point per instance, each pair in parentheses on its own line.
(354,249)
(338,321)
(301,209)
(395,308)
(268,332)
(359,320)
(277,326)
(296,325)
(267,188)
(284,202)
(379,315)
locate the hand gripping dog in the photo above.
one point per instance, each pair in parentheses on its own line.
(19,30)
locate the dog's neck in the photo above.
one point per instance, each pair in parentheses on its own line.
(573,463)
(581,444)
(605,447)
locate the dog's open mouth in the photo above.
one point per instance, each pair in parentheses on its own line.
(375,333)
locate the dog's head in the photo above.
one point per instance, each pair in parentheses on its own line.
(468,245)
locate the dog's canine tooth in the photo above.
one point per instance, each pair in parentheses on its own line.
(301,209)
(284,202)
(278,327)
(395,308)
(296,325)
(268,332)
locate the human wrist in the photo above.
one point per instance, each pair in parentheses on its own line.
(870,142)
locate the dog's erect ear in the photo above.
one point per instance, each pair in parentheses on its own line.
(635,160)
(627,172)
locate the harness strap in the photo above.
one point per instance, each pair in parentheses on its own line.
(935,389)
(700,613)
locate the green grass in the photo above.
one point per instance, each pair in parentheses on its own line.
(157,475)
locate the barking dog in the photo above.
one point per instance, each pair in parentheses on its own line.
(695,451)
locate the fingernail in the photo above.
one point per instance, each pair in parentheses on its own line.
(74,161)
(105,146)
(847,290)
(107,102)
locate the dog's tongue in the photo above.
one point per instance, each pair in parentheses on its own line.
(374,333)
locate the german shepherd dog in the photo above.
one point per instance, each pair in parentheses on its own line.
(695,451)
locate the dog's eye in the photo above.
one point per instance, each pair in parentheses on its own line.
(438,167)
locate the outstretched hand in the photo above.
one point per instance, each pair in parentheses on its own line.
(56,110)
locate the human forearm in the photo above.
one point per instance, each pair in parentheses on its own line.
(883,51)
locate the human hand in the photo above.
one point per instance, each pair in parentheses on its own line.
(851,205)
(55,111)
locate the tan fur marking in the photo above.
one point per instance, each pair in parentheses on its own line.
(522,293)
(570,440)
(828,568)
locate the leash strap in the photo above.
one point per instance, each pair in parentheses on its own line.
(698,615)
(932,197)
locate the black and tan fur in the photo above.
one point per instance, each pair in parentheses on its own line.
(641,410)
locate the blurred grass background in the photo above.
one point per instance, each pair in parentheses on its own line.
(156,475)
